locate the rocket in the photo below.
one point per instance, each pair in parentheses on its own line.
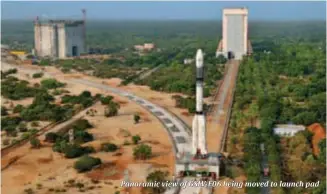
(199,123)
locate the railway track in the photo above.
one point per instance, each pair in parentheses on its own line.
(223,100)
(216,93)
(229,110)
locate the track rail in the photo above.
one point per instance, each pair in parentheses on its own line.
(226,124)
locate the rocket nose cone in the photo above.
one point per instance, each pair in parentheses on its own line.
(199,54)
(199,58)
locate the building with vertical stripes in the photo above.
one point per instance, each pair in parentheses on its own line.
(235,43)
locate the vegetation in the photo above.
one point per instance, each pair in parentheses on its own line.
(51,83)
(112,109)
(82,124)
(42,109)
(4,74)
(252,157)
(109,147)
(22,127)
(85,98)
(136,139)
(279,87)
(38,75)
(86,163)
(142,152)
(14,89)
(9,124)
(35,143)
(18,108)
(51,137)
(74,150)
(188,103)
(136,118)
(4,111)
(106,100)
(157,176)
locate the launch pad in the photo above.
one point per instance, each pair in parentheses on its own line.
(210,164)
(198,162)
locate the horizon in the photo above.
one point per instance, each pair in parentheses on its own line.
(171,20)
(162,11)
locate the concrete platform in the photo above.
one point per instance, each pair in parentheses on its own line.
(187,162)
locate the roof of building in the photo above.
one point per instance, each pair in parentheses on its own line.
(4,46)
(287,128)
(63,22)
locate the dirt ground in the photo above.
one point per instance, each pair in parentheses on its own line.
(43,170)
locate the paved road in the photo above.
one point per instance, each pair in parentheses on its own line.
(149,72)
(176,129)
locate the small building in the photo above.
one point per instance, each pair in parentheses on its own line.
(4,47)
(148,46)
(188,61)
(139,47)
(4,50)
(144,47)
(288,129)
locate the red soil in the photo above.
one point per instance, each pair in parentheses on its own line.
(319,134)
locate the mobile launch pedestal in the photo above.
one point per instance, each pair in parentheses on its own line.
(198,160)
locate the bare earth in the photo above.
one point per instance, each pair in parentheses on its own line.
(51,170)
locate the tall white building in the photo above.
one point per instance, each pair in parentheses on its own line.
(59,38)
(234,43)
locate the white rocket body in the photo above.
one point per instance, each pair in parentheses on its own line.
(199,124)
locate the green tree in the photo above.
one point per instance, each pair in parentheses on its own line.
(35,143)
(51,83)
(109,147)
(322,149)
(86,163)
(18,108)
(142,152)
(136,118)
(51,137)
(4,111)
(112,109)
(37,75)
(106,100)
(157,176)
(136,139)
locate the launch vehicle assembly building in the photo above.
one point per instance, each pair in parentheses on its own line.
(59,38)
(235,42)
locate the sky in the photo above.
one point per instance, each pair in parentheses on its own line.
(169,10)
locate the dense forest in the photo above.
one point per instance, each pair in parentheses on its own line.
(284,85)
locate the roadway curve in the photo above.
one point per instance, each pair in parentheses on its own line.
(177,130)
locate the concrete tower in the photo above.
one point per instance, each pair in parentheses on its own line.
(234,43)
